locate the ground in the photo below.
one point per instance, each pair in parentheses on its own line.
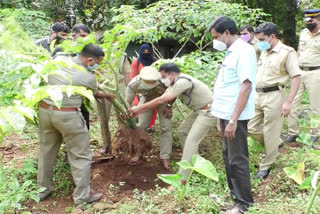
(136,189)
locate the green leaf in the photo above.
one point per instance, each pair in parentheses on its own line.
(296,173)
(201,166)
(304,138)
(173,180)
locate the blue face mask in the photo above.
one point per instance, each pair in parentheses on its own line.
(92,68)
(264,45)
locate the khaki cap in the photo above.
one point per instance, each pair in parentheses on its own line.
(149,73)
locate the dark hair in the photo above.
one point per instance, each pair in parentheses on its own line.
(267,29)
(169,67)
(91,50)
(80,27)
(223,23)
(248,27)
(60,27)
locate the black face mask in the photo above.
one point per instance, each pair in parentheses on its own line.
(59,40)
(311,26)
(146,55)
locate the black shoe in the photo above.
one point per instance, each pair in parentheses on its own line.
(314,139)
(262,174)
(44,195)
(290,138)
(93,198)
(150,131)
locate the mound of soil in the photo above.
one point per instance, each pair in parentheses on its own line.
(116,180)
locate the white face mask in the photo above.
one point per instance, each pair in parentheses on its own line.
(166,81)
(218,45)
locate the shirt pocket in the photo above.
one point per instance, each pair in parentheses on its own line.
(316,44)
(302,45)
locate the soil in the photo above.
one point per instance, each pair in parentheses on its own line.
(116,179)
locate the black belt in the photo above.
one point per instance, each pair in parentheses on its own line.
(310,68)
(268,89)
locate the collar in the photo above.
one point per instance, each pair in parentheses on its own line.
(277,47)
(234,45)
(254,41)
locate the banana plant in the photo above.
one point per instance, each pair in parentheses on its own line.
(199,165)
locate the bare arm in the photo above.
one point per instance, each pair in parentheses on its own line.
(286,107)
(165,98)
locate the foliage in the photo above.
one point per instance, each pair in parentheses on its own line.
(34,23)
(24,72)
(199,164)
(17,185)
(183,20)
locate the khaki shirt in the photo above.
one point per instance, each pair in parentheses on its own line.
(276,67)
(200,95)
(124,68)
(72,76)
(309,49)
(134,88)
(254,44)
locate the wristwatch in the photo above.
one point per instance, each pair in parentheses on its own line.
(232,122)
(169,105)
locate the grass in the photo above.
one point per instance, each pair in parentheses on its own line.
(278,194)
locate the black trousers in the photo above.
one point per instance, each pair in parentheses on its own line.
(236,161)
(85,114)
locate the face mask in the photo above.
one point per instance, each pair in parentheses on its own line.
(145,55)
(92,68)
(218,45)
(145,87)
(264,45)
(166,82)
(311,26)
(245,37)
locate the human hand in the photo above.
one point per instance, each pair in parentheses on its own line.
(133,111)
(286,108)
(230,131)
(110,97)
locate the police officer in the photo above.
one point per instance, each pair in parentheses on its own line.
(66,124)
(147,84)
(247,35)
(195,95)
(277,64)
(309,62)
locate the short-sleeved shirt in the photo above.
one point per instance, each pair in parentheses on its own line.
(78,77)
(192,92)
(134,88)
(45,43)
(238,66)
(309,49)
(277,66)
(254,44)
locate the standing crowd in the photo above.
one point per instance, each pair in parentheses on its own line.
(250,98)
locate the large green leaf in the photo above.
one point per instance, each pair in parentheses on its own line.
(296,173)
(304,138)
(202,166)
(173,180)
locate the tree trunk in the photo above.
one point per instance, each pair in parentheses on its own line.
(289,23)
(104,108)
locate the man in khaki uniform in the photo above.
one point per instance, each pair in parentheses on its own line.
(147,84)
(66,124)
(195,95)
(277,64)
(309,62)
(247,35)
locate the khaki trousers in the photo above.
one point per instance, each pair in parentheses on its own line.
(69,127)
(165,128)
(310,81)
(191,132)
(265,126)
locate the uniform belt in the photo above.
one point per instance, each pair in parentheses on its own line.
(268,89)
(310,68)
(47,106)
